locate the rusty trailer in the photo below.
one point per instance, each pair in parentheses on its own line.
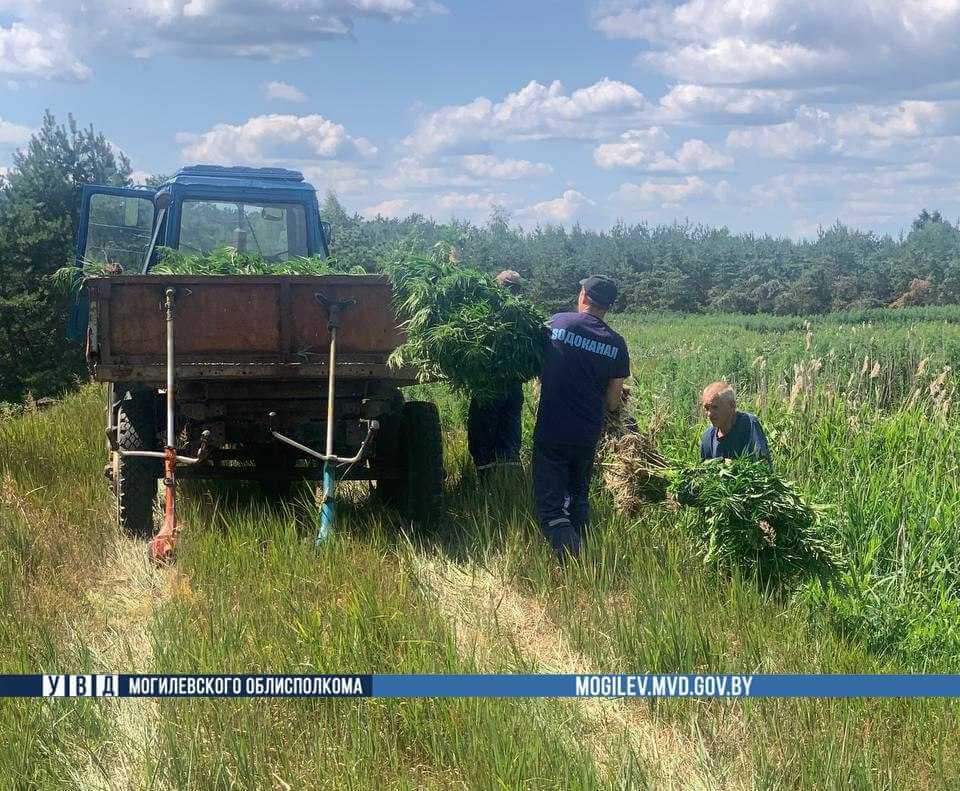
(230,377)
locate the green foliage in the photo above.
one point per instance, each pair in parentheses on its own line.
(860,409)
(678,267)
(461,327)
(39,203)
(686,267)
(68,280)
(228,261)
(754,519)
(251,591)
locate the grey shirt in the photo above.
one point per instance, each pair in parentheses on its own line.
(745,437)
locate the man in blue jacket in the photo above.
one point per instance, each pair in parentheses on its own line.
(731,433)
(582,377)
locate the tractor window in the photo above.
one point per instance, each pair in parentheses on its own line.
(275,231)
(118,230)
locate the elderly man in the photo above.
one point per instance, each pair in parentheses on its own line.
(582,377)
(493,427)
(731,433)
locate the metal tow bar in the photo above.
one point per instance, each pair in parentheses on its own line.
(328,507)
(162,545)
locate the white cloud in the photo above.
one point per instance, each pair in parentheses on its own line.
(906,119)
(487,166)
(343,179)
(460,171)
(888,196)
(13,134)
(396,207)
(628,20)
(643,150)
(535,112)
(635,148)
(781,42)
(889,131)
(722,105)
(44,36)
(472,205)
(670,193)
(140,176)
(27,52)
(284,92)
(791,140)
(267,139)
(558,211)
(733,60)
(697,156)
(412,173)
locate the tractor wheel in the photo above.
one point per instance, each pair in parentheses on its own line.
(419,455)
(387,453)
(136,478)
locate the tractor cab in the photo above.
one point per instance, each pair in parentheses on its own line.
(272,212)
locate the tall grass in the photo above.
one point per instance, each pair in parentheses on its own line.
(863,416)
(250,593)
(54,519)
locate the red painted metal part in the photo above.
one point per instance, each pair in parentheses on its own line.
(163,544)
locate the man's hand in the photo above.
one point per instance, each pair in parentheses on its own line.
(614,394)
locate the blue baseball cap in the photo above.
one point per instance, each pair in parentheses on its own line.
(601,290)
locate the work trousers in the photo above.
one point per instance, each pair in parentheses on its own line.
(561,483)
(493,429)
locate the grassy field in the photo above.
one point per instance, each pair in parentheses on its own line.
(860,412)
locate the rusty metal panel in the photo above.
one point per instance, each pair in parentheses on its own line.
(237,327)
(369,326)
(212,320)
(156,373)
(103,308)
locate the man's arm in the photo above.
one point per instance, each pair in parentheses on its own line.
(546,335)
(620,371)
(614,392)
(759,442)
(705,446)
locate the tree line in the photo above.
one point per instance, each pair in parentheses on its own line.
(688,267)
(678,267)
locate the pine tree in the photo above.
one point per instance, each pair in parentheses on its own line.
(39,207)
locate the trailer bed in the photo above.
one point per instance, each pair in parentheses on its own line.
(241,327)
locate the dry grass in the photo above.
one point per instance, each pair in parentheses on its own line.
(123,603)
(491,620)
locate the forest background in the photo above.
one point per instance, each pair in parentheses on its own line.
(684,266)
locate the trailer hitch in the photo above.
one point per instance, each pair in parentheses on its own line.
(162,545)
(202,451)
(335,309)
(372,428)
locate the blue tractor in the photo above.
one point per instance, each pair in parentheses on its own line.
(240,377)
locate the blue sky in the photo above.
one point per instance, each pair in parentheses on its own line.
(775,116)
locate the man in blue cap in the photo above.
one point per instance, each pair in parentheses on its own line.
(582,378)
